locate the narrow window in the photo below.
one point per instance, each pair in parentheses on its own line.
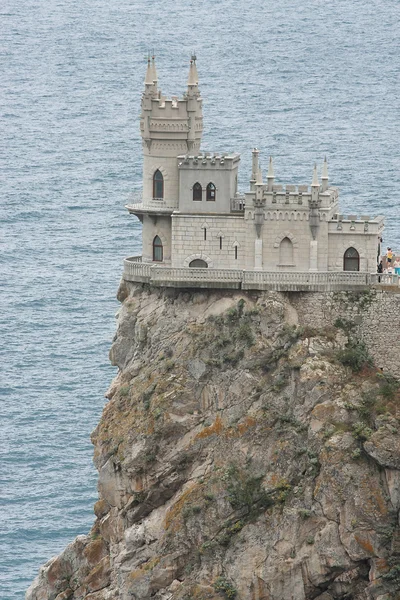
(236,252)
(351,260)
(157,249)
(197,192)
(220,243)
(211,192)
(205,233)
(158,185)
(286,252)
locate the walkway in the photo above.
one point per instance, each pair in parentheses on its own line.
(137,271)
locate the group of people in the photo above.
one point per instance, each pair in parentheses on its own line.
(389,263)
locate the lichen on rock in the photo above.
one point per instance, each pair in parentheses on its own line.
(238,457)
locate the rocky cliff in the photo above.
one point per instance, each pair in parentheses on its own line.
(240,456)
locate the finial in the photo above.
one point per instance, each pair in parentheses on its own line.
(270,169)
(315,182)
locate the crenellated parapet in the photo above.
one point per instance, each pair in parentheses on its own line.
(164,119)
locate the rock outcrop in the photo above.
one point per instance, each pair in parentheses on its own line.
(239,456)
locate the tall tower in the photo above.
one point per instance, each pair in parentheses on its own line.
(169,127)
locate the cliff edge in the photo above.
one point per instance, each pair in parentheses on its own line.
(240,455)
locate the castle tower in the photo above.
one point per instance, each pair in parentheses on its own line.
(168,127)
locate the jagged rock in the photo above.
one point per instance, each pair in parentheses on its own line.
(238,458)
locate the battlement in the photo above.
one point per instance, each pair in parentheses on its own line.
(295,196)
(357,225)
(209,160)
(177,120)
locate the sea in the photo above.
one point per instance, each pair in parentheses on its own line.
(299,80)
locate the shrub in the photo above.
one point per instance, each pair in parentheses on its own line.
(344,324)
(355,355)
(245,491)
(245,334)
(388,385)
(223,585)
(361,431)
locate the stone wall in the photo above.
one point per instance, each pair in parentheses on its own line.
(376,314)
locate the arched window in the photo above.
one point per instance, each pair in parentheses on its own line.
(198,263)
(351,260)
(197,192)
(157,249)
(158,185)
(211,192)
(286,252)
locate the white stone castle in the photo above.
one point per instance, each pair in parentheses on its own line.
(195,221)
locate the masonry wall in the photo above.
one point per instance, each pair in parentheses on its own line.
(365,244)
(376,314)
(189,243)
(160,226)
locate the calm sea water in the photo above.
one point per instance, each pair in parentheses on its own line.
(300,82)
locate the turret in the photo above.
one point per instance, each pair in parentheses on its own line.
(169,127)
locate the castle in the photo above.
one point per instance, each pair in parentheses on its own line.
(194,218)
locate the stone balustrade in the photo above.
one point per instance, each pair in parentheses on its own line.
(136,201)
(164,276)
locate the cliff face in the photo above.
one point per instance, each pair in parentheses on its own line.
(238,457)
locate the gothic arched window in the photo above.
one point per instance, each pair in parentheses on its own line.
(197,192)
(351,260)
(286,252)
(157,249)
(211,192)
(158,185)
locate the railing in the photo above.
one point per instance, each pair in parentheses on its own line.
(151,203)
(238,204)
(164,276)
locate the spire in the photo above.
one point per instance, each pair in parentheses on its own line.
(148,80)
(192,79)
(270,175)
(270,167)
(196,75)
(259,180)
(325,177)
(153,68)
(151,74)
(315,177)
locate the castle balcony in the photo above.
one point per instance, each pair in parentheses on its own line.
(137,271)
(238,204)
(138,205)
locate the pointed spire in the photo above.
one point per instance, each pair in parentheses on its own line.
(192,73)
(315,182)
(259,180)
(270,175)
(271,168)
(325,177)
(153,68)
(196,75)
(148,80)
